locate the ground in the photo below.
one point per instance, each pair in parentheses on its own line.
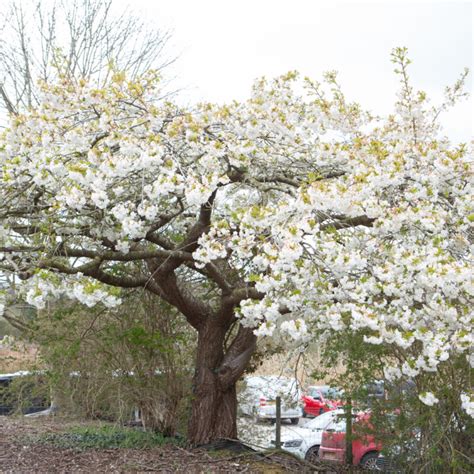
(25,444)
(24,448)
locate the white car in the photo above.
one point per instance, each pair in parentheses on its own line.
(304,441)
(258,394)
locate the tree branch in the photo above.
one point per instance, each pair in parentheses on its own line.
(346,222)
(93,270)
(8,104)
(240,294)
(237,357)
(176,294)
(125,257)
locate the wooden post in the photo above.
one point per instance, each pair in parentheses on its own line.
(278,423)
(348,414)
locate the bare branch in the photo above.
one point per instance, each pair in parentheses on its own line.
(8,104)
(83,37)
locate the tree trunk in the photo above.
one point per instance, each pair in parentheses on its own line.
(214,410)
(214,404)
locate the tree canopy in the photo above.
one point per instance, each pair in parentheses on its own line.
(292,211)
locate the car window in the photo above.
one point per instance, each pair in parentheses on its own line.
(375,389)
(314,392)
(333,394)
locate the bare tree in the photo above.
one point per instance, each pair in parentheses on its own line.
(84,37)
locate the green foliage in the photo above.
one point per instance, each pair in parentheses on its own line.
(360,363)
(108,437)
(108,363)
(25,394)
(420,438)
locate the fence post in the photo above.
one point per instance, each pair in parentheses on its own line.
(278,423)
(348,410)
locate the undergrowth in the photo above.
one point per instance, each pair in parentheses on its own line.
(108,437)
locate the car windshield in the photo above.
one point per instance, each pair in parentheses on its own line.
(339,421)
(339,424)
(324,421)
(316,391)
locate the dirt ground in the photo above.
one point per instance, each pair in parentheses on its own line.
(21,451)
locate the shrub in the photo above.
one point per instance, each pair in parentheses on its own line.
(108,363)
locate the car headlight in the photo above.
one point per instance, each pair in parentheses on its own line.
(293,443)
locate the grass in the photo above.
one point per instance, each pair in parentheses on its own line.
(108,437)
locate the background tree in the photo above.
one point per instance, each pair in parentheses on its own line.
(83,37)
(248,218)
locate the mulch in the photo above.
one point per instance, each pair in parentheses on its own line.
(21,452)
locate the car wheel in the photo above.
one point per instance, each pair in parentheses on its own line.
(304,414)
(321,411)
(294,421)
(312,455)
(369,461)
(272,421)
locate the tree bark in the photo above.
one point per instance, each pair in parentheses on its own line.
(214,404)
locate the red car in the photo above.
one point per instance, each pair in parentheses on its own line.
(365,450)
(319,399)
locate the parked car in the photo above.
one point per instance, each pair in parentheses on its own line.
(258,398)
(304,441)
(387,464)
(365,450)
(23,392)
(375,390)
(319,399)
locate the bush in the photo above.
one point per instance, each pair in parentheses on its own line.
(108,363)
(27,393)
(417,437)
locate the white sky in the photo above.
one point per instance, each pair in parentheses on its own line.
(223,45)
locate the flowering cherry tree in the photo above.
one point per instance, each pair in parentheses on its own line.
(292,211)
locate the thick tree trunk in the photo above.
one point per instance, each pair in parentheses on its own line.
(214,411)
(214,404)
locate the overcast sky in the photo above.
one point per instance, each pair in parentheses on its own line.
(224,45)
